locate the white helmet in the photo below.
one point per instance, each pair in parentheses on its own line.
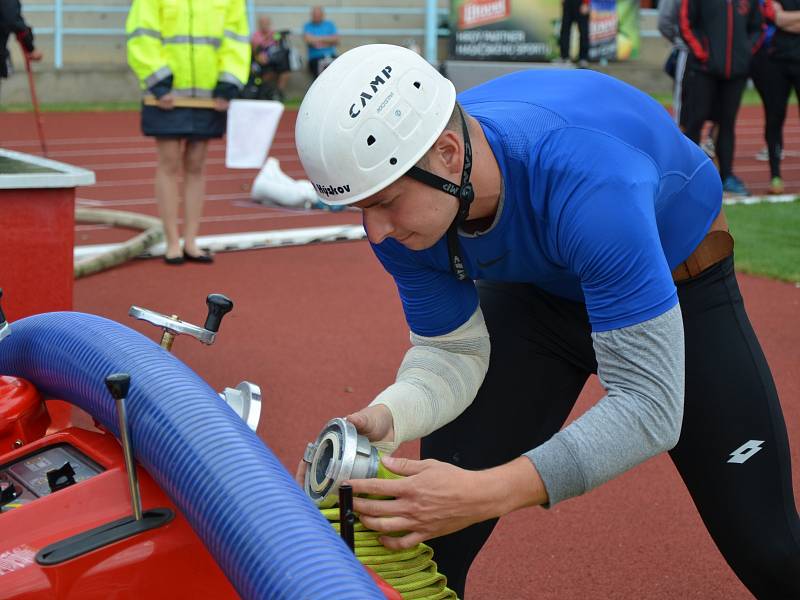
(368,118)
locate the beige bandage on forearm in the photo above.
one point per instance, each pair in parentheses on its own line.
(437,380)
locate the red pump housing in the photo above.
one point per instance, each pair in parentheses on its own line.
(168,561)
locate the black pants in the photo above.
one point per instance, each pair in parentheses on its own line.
(541,357)
(709,97)
(317,65)
(774,80)
(571,12)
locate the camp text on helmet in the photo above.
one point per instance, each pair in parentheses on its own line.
(366,96)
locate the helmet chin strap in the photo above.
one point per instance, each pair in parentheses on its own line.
(464,193)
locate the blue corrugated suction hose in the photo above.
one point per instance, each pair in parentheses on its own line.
(265,534)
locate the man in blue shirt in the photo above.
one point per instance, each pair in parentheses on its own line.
(563,238)
(322,38)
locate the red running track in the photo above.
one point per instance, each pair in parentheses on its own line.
(321,330)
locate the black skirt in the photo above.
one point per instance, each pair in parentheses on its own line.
(191,123)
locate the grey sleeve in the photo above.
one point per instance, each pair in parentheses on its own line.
(642,369)
(668,11)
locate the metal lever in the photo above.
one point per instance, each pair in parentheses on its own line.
(118,384)
(5,328)
(218,307)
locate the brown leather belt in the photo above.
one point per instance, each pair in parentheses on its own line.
(717,244)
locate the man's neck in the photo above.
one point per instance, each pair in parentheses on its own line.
(486,178)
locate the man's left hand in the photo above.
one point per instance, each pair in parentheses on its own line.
(436,498)
(35,56)
(221,104)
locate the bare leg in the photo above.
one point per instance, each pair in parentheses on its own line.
(194,183)
(167,192)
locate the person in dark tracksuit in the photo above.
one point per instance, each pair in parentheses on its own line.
(775,71)
(722,36)
(11,21)
(575,11)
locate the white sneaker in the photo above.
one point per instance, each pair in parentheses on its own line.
(708,147)
(763,154)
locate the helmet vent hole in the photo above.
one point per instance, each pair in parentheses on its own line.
(417,84)
(393,161)
(370,140)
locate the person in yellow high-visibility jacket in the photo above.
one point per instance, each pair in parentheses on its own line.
(180,49)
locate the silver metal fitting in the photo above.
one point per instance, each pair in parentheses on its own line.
(5,329)
(245,399)
(173,325)
(338,454)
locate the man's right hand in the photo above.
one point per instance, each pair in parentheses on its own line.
(166,102)
(374,422)
(35,56)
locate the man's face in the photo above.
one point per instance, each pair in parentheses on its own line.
(264,24)
(414,214)
(316,15)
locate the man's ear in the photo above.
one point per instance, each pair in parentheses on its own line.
(448,152)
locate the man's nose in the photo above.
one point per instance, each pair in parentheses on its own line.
(378,225)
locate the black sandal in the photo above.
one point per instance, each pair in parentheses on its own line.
(204,258)
(175,260)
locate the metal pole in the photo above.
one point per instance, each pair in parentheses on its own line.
(58,33)
(251,15)
(130,465)
(118,384)
(34,99)
(347,518)
(431,27)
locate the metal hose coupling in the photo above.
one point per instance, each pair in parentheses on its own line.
(338,454)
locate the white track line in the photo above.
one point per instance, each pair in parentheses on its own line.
(245,176)
(761,199)
(153,164)
(109,140)
(143,150)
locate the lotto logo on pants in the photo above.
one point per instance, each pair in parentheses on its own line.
(745,451)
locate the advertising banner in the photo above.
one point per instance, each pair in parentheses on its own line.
(502,30)
(528,30)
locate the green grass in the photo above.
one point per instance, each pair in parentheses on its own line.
(767,239)
(72,107)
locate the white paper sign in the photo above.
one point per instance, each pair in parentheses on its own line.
(251,128)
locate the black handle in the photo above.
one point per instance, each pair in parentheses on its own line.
(118,384)
(218,307)
(347,518)
(2,316)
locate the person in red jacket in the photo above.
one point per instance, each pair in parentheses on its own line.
(572,11)
(722,36)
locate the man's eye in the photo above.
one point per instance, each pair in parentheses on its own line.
(387,203)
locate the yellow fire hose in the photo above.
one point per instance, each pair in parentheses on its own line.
(411,572)
(341,453)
